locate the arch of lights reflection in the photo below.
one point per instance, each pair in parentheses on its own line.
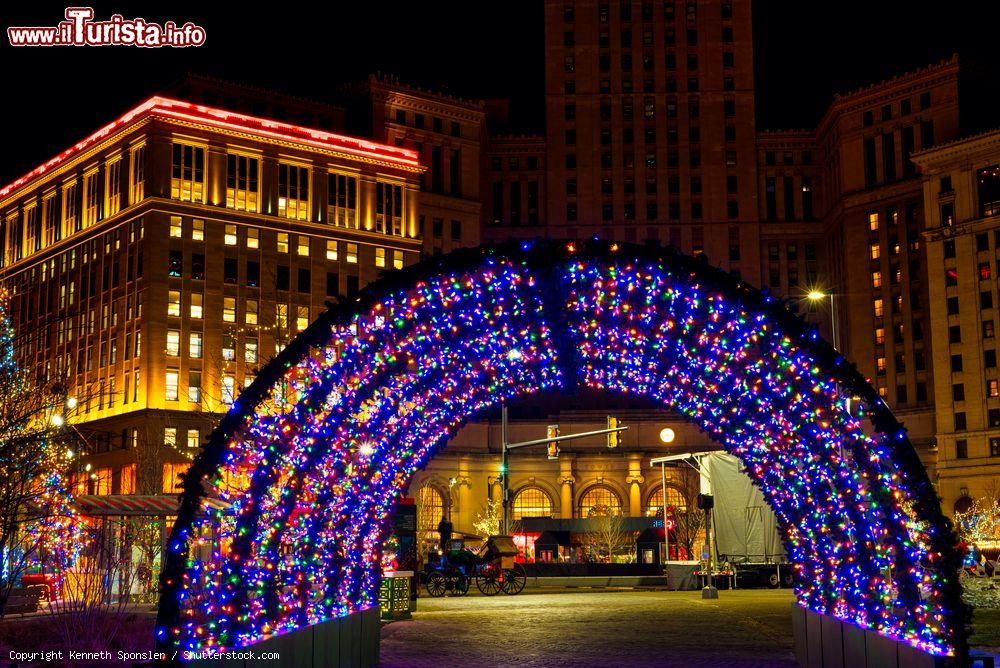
(315,454)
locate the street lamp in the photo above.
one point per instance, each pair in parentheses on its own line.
(815,295)
(667,435)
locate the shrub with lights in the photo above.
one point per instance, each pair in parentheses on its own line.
(316,453)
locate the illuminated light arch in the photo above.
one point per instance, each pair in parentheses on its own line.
(331,431)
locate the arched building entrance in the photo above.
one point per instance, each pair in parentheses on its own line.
(332,430)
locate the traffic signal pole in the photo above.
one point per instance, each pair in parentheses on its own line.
(506,447)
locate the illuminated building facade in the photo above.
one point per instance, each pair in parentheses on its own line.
(448,134)
(961,196)
(874,220)
(650,125)
(158,263)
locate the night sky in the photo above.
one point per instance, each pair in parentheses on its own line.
(804,55)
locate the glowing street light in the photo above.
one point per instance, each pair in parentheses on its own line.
(667,435)
(72,402)
(57,420)
(816,295)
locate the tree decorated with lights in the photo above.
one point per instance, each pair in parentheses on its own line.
(424,350)
(39,526)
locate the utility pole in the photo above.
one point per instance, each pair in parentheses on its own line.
(506,447)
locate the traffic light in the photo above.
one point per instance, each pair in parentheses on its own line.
(552,431)
(613,437)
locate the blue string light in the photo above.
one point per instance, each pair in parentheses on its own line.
(316,453)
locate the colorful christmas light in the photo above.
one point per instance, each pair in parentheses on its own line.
(315,454)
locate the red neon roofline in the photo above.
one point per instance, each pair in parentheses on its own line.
(187,111)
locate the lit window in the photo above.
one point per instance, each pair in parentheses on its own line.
(173,342)
(170,437)
(197,302)
(136,181)
(532,502)
(282,242)
(172,477)
(230,235)
(90,199)
(195,345)
(303,245)
(250,351)
(175,226)
(599,500)
(170,391)
(229,309)
(194,387)
(293,192)
(174,302)
(228,388)
(397,259)
(302,318)
(198,229)
(873,221)
(241,182)
(352,253)
(71,223)
(389,209)
(876,279)
(430,508)
(993,387)
(331,250)
(228,348)
(379,257)
(281,317)
(194,439)
(187,182)
(251,312)
(880,335)
(879,308)
(127,484)
(113,187)
(343,204)
(676,502)
(875,252)
(253,237)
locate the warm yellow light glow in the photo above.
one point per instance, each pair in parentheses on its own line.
(815,295)
(57,420)
(72,403)
(514,355)
(667,435)
(366,449)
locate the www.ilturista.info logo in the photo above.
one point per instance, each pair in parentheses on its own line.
(80,29)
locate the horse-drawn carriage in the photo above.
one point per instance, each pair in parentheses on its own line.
(493,568)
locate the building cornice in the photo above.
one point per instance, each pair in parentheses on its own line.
(217,120)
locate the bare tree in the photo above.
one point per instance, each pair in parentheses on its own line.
(689,528)
(608,539)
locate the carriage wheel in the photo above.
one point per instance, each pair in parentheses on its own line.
(461,585)
(436,584)
(514,580)
(488,581)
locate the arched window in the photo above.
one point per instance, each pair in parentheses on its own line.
(532,502)
(675,498)
(430,508)
(600,500)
